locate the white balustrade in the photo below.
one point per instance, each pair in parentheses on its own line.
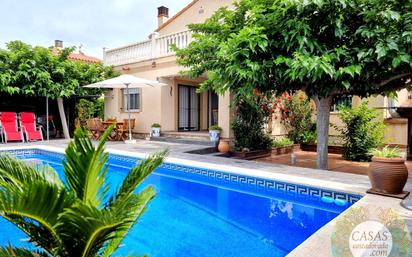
(148,49)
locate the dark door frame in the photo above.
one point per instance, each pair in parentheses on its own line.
(209,107)
(189,110)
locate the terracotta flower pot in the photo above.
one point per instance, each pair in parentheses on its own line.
(388,175)
(224,146)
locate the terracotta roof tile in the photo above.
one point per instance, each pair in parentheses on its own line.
(84,58)
(78,56)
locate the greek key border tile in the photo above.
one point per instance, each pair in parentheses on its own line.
(265,183)
(221,176)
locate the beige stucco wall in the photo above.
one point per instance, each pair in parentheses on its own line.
(153,100)
(225,117)
(149,113)
(197,13)
(396,129)
(396,132)
(160,105)
(277,129)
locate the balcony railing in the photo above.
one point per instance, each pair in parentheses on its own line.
(155,47)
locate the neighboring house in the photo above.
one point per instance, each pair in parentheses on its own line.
(177,106)
(79,56)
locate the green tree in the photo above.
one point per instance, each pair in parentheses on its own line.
(79,217)
(324,48)
(38,71)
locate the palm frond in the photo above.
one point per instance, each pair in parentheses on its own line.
(129,205)
(20,252)
(35,210)
(70,219)
(85,229)
(39,235)
(85,167)
(129,210)
(17,173)
(137,175)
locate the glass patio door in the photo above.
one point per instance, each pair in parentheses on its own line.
(213,108)
(189,109)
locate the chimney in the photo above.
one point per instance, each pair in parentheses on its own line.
(162,15)
(58,43)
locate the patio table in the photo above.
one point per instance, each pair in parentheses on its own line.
(117,132)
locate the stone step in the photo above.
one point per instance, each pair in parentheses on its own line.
(186,135)
(183,140)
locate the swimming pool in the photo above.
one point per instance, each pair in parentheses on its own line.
(204,212)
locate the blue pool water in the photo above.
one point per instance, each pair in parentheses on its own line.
(198,215)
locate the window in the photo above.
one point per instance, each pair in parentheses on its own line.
(134,99)
(340,101)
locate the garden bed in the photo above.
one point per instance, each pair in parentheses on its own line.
(285,150)
(251,155)
(336,149)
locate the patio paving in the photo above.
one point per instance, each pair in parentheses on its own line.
(336,162)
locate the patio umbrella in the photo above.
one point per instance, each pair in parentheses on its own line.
(126,81)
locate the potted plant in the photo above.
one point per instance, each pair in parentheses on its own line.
(155,132)
(214,133)
(387,172)
(224,146)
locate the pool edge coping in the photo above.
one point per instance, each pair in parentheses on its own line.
(272,175)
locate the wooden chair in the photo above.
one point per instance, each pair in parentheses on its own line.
(91,127)
(124,130)
(99,127)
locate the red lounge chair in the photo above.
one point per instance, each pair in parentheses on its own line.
(9,127)
(28,124)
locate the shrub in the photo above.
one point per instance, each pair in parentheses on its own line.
(363,131)
(295,113)
(156,125)
(87,109)
(309,137)
(99,108)
(282,142)
(248,125)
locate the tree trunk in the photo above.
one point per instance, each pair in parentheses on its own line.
(63,118)
(322,128)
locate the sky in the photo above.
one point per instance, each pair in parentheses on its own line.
(94,24)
